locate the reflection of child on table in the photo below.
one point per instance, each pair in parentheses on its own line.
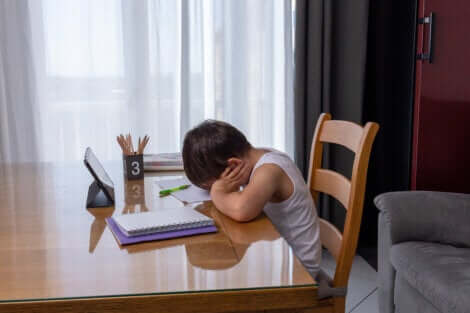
(229,247)
(217,251)
(214,254)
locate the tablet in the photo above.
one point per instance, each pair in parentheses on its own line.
(99,174)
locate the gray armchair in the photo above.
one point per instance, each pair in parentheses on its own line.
(424,252)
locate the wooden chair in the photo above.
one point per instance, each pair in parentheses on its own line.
(350,193)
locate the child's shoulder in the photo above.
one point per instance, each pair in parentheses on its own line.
(268,168)
(272,164)
(274,157)
(267,172)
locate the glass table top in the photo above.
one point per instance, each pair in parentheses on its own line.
(52,247)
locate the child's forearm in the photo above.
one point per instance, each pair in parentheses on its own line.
(247,204)
(232,204)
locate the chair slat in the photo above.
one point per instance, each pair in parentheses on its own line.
(333,184)
(349,192)
(330,238)
(344,133)
(352,223)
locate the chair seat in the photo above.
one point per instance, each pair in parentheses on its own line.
(441,273)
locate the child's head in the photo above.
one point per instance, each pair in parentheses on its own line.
(207,149)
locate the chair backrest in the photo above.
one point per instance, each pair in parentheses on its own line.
(350,193)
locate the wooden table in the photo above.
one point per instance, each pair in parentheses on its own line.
(57,256)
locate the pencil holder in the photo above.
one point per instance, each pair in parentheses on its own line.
(133,166)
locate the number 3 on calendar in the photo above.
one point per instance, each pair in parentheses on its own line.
(135,168)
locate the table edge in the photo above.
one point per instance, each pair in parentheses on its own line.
(207,301)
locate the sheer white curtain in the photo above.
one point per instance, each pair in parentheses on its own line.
(75,73)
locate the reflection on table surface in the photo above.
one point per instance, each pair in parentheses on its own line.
(53,247)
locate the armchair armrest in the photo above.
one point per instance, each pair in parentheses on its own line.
(427,216)
(421,216)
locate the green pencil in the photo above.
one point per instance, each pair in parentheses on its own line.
(166,192)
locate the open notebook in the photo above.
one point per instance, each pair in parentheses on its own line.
(192,194)
(167,220)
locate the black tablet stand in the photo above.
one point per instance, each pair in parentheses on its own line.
(96,197)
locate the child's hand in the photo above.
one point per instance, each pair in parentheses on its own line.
(232,178)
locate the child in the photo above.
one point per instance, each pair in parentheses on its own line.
(217,157)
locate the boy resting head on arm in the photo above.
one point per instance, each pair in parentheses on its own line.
(244,181)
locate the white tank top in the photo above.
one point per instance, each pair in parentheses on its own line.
(296,217)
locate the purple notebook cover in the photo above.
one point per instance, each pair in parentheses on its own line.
(124,240)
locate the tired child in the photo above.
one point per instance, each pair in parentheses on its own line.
(218,158)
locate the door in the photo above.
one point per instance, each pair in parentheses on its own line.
(441,134)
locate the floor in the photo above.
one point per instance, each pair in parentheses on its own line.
(362,293)
(369,253)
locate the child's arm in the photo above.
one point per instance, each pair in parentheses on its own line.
(245,205)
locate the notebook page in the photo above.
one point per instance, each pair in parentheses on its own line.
(189,195)
(164,220)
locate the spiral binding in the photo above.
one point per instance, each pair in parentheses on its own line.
(171,227)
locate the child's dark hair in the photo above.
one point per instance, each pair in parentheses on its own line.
(208,146)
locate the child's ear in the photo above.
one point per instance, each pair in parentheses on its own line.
(233,162)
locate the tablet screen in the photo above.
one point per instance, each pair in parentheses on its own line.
(97,170)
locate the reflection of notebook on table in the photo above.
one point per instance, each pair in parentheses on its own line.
(165,224)
(189,195)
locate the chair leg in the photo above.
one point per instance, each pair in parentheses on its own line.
(339,304)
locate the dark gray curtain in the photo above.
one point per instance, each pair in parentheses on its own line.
(330,59)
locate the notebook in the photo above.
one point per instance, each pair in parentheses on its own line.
(190,195)
(161,221)
(125,240)
(163,162)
